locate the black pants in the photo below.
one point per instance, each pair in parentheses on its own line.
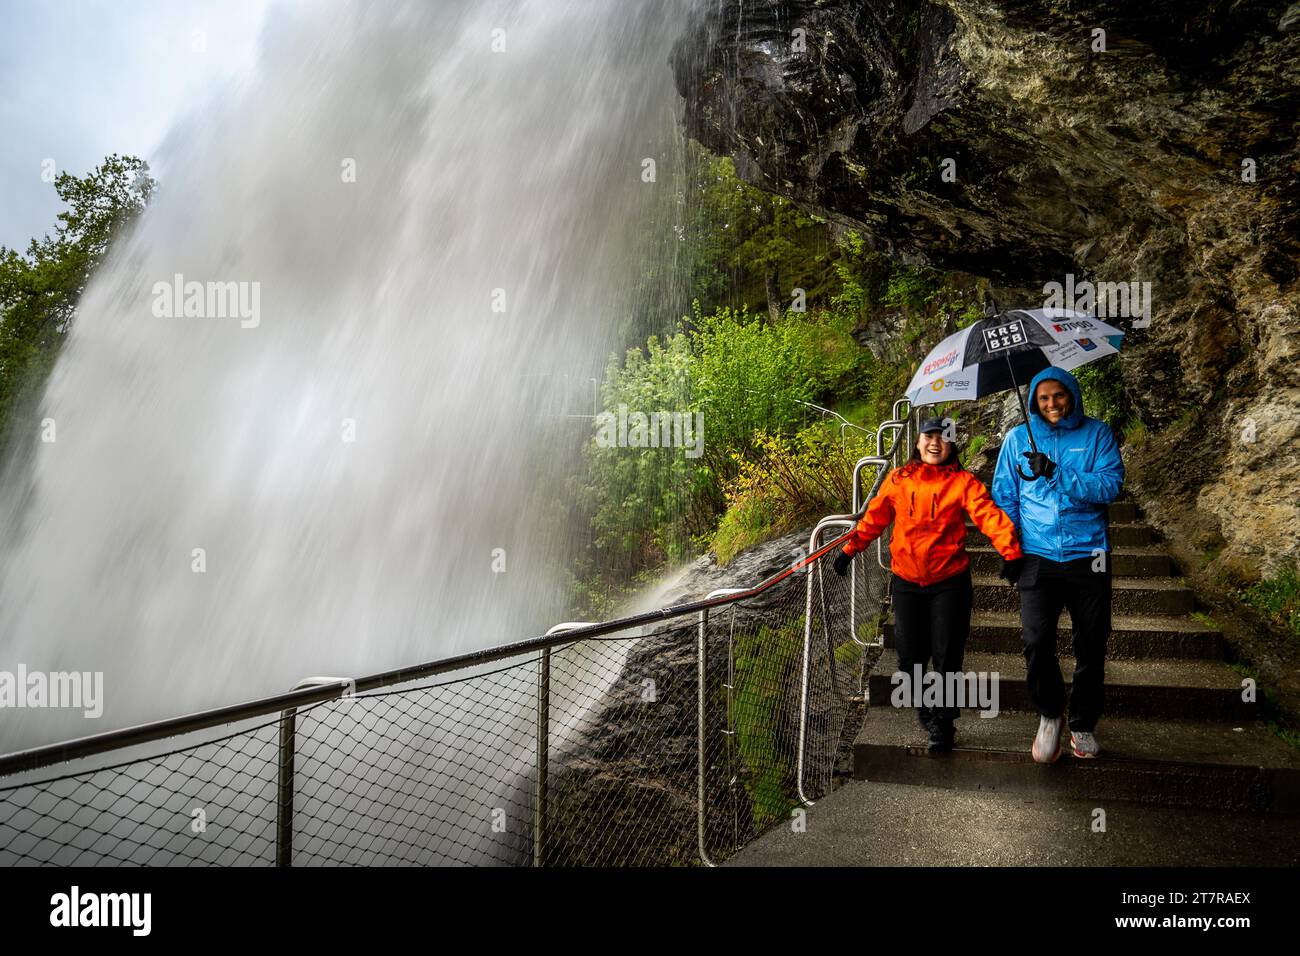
(1047,587)
(931,624)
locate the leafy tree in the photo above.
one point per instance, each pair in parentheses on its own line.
(39,290)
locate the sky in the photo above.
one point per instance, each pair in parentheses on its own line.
(80,79)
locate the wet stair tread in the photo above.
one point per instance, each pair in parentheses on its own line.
(1119,622)
(1151,740)
(1151,672)
(983,546)
(1155,583)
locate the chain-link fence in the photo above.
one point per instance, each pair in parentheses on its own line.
(670,738)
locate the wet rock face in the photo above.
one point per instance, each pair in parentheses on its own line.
(1117,165)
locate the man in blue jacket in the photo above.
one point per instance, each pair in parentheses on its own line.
(1062,520)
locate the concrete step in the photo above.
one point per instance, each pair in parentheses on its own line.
(865,823)
(1124,512)
(1132,637)
(1122,535)
(1206,690)
(1156,595)
(1197,764)
(1137,562)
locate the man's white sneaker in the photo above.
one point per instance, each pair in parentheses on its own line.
(1047,742)
(1084,744)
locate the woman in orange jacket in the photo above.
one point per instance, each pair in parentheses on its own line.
(927,500)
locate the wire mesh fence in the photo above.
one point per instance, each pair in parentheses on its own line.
(668,744)
(445,772)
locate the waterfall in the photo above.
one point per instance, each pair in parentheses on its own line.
(401,237)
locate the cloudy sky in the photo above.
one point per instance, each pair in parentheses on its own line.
(80,79)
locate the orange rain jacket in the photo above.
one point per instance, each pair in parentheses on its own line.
(928,504)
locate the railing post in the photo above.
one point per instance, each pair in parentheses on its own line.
(701,658)
(284,790)
(285,769)
(541,822)
(699,741)
(543,756)
(832,520)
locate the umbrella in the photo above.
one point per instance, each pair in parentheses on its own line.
(1000,351)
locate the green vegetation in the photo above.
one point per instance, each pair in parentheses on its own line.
(745,247)
(40,289)
(912,286)
(764,662)
(753,369)
(1103,395)
(850,652)
(1135,433)
(790,483)
(869,629)
(1186,420)
(1274,716)
(1277,598)
(972,449)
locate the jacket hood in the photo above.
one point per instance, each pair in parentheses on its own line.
(1072,420)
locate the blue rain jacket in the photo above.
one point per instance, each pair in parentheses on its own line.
(1062,517)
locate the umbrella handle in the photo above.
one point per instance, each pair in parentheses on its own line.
(1022,474)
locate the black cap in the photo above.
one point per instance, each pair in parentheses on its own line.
(934,425)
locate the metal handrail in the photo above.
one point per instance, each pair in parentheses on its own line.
(894,426)
(859,508)
(826,522)
(316,690)
(845,422)
(49,754)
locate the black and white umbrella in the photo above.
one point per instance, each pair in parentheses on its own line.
(1001,351)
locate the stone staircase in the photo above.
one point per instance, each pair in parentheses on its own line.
(1176,731)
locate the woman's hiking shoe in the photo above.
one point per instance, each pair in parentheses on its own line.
(1084,744)
(1047,742)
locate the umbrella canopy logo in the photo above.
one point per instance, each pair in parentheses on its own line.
(1005,336)
(1001,352)
(997,352)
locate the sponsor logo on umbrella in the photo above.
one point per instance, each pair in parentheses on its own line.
(942,362)
(1071,326)
(1004,336)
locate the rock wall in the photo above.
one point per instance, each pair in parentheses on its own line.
(1128,164)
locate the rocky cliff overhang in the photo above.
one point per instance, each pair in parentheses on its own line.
(1167,156)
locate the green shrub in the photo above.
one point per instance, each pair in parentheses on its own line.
(764,677)
(1103,393)
(1278,599)
(912,286)
(787,483)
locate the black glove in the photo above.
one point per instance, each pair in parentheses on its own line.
(1011,570)
(841,564)
(1040,465)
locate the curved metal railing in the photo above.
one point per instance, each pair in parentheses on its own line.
(321,690)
